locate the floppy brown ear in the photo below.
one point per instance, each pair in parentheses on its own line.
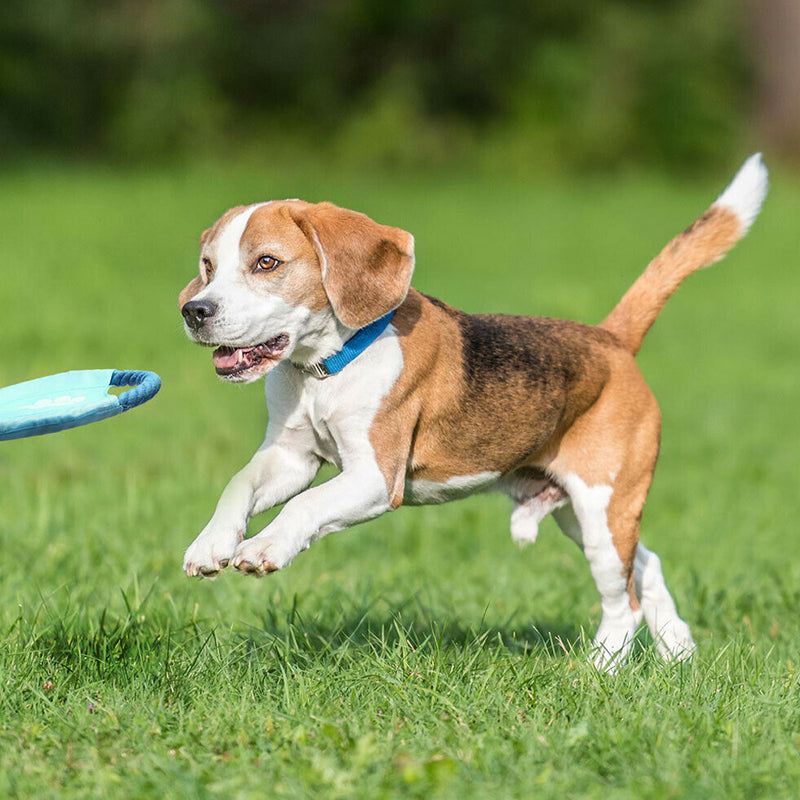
(189,291)
(366,267)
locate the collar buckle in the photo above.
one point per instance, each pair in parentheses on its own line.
(354,346)
(318,370)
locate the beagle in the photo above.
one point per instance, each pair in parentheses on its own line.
(417,402)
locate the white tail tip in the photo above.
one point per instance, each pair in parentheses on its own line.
(746,192)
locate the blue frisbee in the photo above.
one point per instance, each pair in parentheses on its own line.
(69,399)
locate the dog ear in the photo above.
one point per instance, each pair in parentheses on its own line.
(366,267)
(189,291)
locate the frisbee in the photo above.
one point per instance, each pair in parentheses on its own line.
(69,399)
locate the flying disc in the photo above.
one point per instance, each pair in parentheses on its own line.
(69,399)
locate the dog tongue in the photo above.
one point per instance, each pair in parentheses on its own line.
(228,357)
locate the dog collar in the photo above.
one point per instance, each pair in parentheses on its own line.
(353,348)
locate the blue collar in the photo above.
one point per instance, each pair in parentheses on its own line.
(353,348)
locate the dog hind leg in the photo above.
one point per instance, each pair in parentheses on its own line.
(672,635)
(586,521)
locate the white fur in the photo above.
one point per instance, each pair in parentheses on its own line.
(248,315)
(534,498)
(585,521)
(528,515)
(309,421)
(672,635)
(746,192)
(422,492)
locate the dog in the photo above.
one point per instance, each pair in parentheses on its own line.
(416,402)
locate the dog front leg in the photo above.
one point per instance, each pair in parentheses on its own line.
(273,475)
(356,495)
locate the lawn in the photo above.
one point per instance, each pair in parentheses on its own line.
(422,654)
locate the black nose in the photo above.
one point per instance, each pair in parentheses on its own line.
(196,312)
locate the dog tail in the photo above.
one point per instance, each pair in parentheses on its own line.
(705,241)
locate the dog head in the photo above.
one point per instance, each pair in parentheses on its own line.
(288,279)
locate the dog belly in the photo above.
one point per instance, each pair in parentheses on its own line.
(422,492)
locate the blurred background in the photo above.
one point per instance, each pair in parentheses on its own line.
(541,152)
(497,84)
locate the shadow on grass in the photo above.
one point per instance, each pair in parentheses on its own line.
(171,648)
(356,641)
(384,626)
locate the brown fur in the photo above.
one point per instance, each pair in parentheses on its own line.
(207,238)
(367,267)
(503,415)
(705,241)
(526,396)
(194,286)
(592,416)
(529,398)
(330,257)
(615,443)
(272,230)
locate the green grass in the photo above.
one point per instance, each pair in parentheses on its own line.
(422,654)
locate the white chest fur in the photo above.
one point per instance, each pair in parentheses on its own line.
(339,410)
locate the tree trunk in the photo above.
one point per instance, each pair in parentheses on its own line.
(776,51)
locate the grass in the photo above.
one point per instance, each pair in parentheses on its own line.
(422,654)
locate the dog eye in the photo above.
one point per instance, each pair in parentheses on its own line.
(208,268)
(267,263)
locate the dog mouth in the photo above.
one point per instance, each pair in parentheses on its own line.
(232,362)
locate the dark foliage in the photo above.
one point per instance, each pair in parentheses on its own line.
(585,83)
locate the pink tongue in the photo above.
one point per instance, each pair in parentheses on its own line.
(226,358)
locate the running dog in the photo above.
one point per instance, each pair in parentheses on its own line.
(417,402)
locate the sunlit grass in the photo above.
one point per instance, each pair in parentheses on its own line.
(421,654)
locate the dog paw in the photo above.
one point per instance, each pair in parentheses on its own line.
(261,555)
(210,553)
(611,647)
(674,641)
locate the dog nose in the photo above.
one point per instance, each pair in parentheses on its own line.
(196,312)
